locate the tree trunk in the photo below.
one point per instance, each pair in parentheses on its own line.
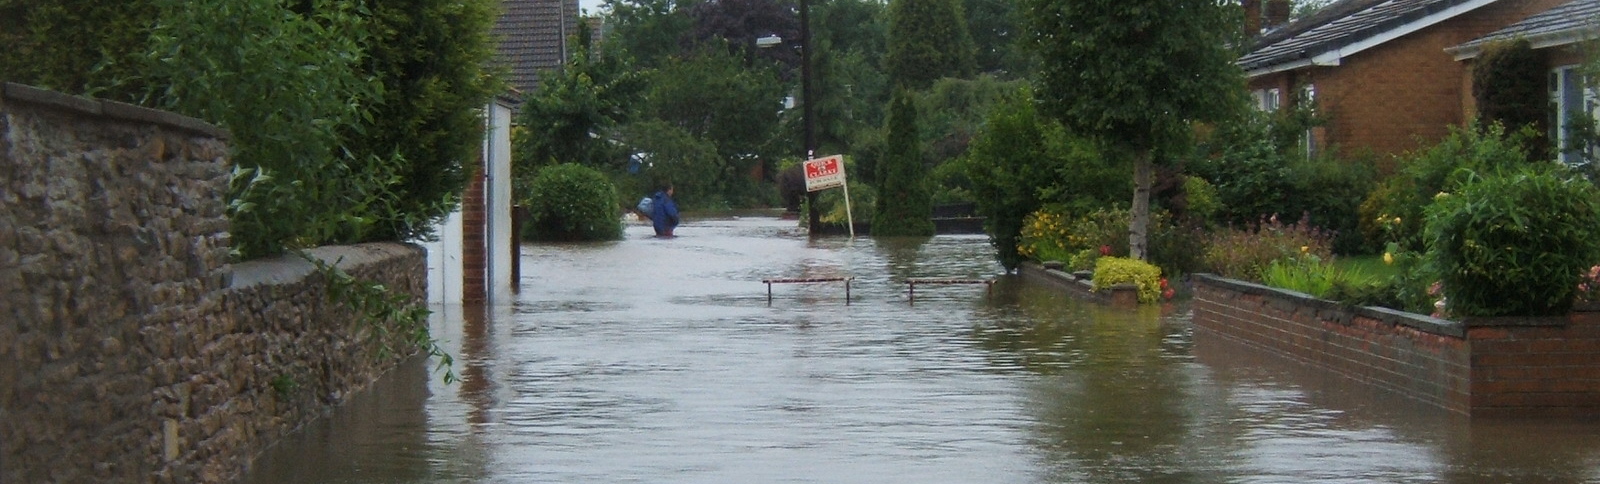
(1139,215)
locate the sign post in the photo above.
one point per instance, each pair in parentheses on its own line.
(828,172)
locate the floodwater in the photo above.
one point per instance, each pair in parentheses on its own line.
(662,361)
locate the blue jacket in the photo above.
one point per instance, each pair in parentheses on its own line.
(663,212)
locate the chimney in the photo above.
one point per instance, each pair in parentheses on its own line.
(1276,14)
(1252,17)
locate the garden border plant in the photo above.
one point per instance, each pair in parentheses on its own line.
(1515,243)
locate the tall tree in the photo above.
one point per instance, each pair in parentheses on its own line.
(651,31)
(848,87)
(928,40)
(1136,74)
(741,22)
(904,206)
(573,116)
(715,97)
(993,24)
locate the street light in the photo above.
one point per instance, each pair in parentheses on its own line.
(814,222)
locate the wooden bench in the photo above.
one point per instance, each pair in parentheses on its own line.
(809,280)
(911,284)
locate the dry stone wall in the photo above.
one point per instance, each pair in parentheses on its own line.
(133,351)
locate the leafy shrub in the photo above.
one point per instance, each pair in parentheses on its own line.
(1311,277)
(1110,271)
(1259,167)
(1245,253)
(1247,168)
(1006,165)
(571,202)
(1440,168)
(1084,260)
(1200,199)
(1515,243)
(1329,193)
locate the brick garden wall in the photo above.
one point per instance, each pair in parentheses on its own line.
(133,351)
(1479,367)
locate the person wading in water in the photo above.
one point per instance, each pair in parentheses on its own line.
(664,212)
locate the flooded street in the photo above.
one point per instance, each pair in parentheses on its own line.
(662,361)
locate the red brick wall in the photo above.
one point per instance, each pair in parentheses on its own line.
(474,241)
(1371,347)
(1481,367)
(1402,94)
(1548,366)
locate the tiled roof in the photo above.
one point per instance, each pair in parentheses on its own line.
(533,38)
(1565,24)
(1339,25)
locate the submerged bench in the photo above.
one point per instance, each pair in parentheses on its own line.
(911,284)
(809,280)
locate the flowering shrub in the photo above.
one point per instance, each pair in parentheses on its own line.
(1051,234)
(1589,286)
(1045,237)
(1246,253)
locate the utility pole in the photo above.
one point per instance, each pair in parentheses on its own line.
(814,222)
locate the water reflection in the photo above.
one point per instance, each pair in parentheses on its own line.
(654,360)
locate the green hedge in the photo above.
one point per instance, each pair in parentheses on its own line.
(571,202)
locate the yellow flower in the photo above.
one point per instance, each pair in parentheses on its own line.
(1305,249)
(1397,220)
(1388,258)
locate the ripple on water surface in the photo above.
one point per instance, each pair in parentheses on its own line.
(662,361)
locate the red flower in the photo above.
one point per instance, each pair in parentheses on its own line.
(1105,250)
(1163,283)
(1167,294)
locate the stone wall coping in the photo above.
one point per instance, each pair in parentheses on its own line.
(1420,322)
(290,268)
(1513,321)
(24,94)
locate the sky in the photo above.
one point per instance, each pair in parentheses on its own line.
(591,6)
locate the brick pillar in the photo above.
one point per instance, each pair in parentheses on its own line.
(474,223)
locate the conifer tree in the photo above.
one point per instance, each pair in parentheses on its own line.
(928,40)
(904,205)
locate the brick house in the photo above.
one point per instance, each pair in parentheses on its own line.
(1376,70)
(1558,35)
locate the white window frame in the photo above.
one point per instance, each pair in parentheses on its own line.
(1268,100)
(1568,95)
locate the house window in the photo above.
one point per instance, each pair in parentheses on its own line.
(1573,107)
(1267,100)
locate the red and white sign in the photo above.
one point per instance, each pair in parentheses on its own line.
(824,173)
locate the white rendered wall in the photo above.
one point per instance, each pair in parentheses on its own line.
(497,154)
